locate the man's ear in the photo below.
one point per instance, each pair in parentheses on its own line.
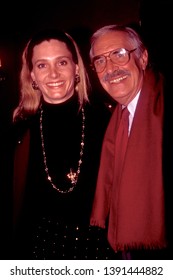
(144,59)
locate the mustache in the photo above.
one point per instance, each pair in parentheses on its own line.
(115,74)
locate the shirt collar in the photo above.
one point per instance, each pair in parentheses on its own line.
(132,105)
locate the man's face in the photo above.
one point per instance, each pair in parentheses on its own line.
(121,82)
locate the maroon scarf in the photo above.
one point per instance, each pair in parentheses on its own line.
(135,206)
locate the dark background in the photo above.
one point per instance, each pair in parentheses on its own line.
(80,18)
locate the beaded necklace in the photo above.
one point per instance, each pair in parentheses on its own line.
(72,176)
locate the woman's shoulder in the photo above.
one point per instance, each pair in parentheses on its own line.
(100,110)
(21,127)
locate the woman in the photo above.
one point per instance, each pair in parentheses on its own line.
(59,135)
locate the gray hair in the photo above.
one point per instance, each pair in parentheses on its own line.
(133,37)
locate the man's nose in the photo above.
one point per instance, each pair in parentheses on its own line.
(110,66)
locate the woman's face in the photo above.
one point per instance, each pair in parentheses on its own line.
(54,71)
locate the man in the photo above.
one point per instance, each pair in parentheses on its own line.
(129,197)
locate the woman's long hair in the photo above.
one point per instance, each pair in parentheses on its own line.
(30,98)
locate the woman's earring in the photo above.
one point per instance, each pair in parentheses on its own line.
(77,78)
(34,85)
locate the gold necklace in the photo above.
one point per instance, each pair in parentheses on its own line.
(72,176)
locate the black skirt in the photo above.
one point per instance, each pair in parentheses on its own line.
(55,240)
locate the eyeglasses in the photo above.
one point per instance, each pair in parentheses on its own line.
(119,56)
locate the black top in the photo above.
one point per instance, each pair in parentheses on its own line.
(62,128)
